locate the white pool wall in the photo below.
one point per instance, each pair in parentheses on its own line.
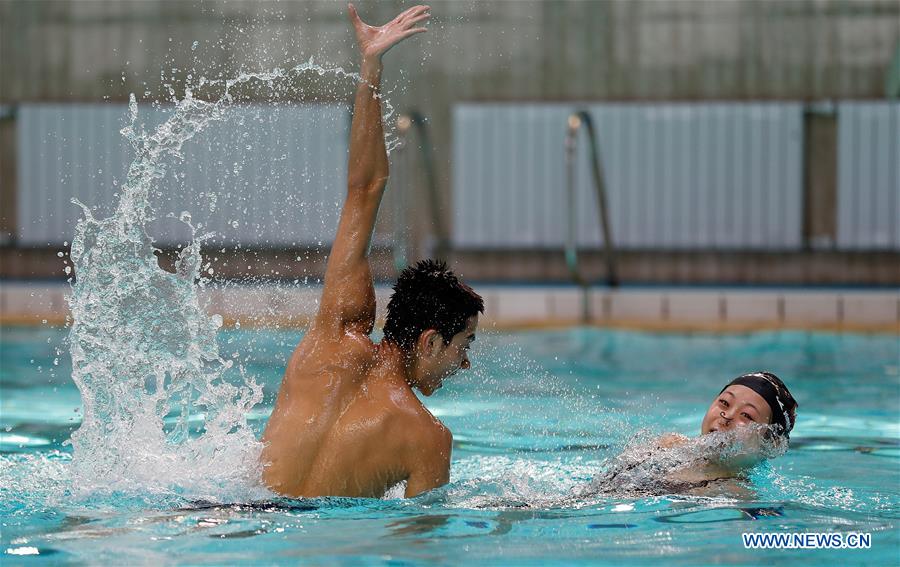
(723,309)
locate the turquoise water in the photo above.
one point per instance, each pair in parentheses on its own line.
(535,418)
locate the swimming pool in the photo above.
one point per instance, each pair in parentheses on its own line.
(534,418)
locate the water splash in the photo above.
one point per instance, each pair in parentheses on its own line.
(646,469)
(160,414)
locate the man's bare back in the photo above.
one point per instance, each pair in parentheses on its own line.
(347,424)
(346,421)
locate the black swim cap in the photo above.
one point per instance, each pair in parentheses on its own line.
(776,394)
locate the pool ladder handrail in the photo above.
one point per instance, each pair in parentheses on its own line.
(574,123)
(405,123)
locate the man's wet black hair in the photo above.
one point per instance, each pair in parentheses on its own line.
(429,296)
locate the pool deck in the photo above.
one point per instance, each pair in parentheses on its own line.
(725,309)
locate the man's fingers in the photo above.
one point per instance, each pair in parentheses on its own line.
(414,11)
(417,19)
(413,31)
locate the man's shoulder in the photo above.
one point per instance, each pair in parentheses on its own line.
(411,420)
(421,426)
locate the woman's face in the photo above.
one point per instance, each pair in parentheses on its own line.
(736,405)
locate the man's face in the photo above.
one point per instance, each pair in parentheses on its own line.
(448,358)
(736,406)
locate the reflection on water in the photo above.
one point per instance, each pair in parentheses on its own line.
(418,525)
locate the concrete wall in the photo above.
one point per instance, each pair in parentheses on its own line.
(563,49)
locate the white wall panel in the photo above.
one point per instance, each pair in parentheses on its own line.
(264,176)
(869,175)
(679,176)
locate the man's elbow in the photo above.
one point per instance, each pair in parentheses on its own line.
(371,185)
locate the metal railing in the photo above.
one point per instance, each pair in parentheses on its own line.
(402,206)
(575,122)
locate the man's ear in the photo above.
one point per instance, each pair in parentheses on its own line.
(431,342)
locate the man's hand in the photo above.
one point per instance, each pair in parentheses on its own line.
(375,41)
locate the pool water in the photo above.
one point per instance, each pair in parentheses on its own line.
(534,419)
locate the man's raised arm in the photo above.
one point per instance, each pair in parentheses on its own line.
(348,299)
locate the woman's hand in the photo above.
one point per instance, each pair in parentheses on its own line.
(670,440)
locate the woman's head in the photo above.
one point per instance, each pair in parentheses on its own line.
(758,398)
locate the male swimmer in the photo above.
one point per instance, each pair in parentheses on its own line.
(347,421)
(749,420)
